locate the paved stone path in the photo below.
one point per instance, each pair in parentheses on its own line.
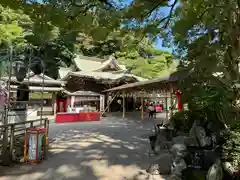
(112,149)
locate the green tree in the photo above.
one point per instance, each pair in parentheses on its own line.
(59,23)
(98,28)
(14,27)
(148,62)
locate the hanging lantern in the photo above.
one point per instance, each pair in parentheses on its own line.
(36,65)
(21,74)
(19,70)
(22,95)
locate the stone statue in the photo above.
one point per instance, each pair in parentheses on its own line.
(228,168)
(178,165)
(201,135)
(179,151)
(202,138)
(215,171)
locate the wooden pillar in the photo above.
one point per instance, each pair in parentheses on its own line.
(101,103)
(123,104)
(171,102)
(54,103)
(72,101)
(108,101)
(167,107)
(166,102)
(142,106)
(134,103)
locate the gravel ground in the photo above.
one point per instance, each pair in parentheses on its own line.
(112,149)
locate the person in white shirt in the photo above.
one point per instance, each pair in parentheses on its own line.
(150,110)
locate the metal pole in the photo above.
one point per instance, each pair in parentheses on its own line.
(5,153)
(8,87)
(28,73)
(41,113)
(43,70)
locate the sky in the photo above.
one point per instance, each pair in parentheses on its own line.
(165,11)
(159,46)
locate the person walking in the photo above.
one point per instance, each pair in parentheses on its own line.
(150,110)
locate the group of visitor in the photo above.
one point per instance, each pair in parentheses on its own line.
(153,108)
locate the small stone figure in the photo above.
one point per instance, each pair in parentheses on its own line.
(203,139)
(201,135)
(179,151)
(161,164)
(228,168)
(215,171)
(178,165)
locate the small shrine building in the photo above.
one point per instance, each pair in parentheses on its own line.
(94,75)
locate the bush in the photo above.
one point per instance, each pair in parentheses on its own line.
(181,121)
(232,144)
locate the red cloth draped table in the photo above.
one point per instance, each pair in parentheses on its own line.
(77,117)
(159,108)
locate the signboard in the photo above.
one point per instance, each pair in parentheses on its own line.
(79,99)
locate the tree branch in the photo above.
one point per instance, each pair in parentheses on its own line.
(151,11)
(171,13)
(85,7)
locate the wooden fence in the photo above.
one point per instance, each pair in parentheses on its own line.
(16,132)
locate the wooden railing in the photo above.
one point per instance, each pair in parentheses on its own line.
(16,131)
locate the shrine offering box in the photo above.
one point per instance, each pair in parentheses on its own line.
(35,145)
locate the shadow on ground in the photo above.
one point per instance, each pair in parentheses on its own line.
(110,149)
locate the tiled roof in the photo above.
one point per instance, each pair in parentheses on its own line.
(123,67)
(85,63)
(39,88)
(91,67)
(82,93)
(37,79)
(103,75)
(173,77)
(63,72)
